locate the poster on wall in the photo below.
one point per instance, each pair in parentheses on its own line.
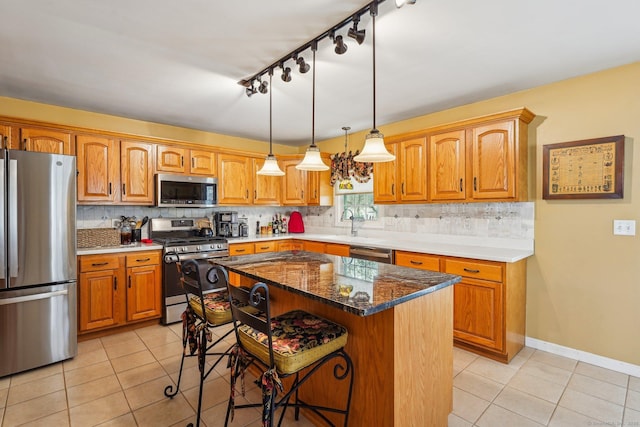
(586,169)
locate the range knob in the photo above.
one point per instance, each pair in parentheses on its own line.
(198,248)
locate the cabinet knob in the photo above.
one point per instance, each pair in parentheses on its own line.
(24,144)
(129,281)
(471,270)
(393,189)
(475,183)
(415,262)
(143,260)
(5,142)
(124,189)
(461,185)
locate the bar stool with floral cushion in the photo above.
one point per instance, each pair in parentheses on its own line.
(295,344)
(207,308)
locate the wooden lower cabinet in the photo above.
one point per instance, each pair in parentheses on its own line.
(290,245)
(115,290)
(489,303)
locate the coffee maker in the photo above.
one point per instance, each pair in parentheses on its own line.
(227,224)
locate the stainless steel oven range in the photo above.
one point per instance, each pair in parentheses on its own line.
(180,239)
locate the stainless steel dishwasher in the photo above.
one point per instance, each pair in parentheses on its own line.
(372,254)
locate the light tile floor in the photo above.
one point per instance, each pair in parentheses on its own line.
(119,381)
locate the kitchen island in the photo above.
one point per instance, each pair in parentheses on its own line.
(400,323)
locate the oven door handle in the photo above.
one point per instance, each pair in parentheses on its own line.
(172,257)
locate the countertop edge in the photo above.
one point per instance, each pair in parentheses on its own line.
(508,255)
(136,247)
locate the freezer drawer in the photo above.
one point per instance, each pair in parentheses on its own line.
(37,326)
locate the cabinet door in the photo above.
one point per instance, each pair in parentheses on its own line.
(478,313)
(314,247)
(413,170)
(170,159)
(143,292)
(313,188)
(385,178)
(98,162)
(294,184)
(101,299)
(235,179)
(202,162)
(447,166)
(136,165)
(493,153)
(267,189)
(45,141)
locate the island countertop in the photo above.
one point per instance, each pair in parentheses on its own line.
(357,286)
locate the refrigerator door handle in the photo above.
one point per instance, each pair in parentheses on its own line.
(35,297)
(3,228)
(12,224)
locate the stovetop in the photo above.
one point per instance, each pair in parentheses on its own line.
(182,241)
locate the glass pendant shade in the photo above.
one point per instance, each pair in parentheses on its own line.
(270,167)
(374,150)
(312,161)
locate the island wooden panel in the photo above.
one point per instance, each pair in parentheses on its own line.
(403,360)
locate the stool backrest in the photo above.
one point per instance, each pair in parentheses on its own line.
(251,307)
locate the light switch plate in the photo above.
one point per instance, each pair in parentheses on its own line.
(623,227)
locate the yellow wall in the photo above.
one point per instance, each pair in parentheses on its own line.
(68,116)
(583,288)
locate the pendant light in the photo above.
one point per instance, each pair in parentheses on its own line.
(312,160)
(270,166)
(374,150)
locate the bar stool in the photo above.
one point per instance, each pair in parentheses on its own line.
(284,346)
(207,307)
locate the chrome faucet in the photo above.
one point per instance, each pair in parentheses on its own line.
(353,219)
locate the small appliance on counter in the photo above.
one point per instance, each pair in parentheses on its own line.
(227,224)
(295,223)
(244,227)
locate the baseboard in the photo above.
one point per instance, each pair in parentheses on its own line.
(583,356)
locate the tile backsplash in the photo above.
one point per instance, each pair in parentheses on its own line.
(510,221)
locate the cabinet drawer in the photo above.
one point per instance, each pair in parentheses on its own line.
(241,249)
(314,246)
(416,260)
(475,269)
(98,262)
(290,245)
(140,259)
(265,247)
(336,249)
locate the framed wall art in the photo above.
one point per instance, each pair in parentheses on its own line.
(587,169)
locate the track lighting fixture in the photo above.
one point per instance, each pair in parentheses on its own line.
(374,150)
(302,65)
(400,3)
(251,90)
(286,73)
(354,33)
(270,166)
(341,47)
(312,160)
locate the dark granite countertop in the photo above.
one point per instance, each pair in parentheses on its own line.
(367,287)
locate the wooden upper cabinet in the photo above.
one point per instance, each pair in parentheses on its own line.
(266,189)
(312,192)
(45,141)
(447,166)
(170,159)
(293,184)
(413,170)
(235,179)
(5,136)
(136,171)
(202,162)
(98,162)
(493,154)
(385,178)
(182,160)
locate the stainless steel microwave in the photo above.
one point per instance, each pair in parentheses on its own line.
(184,191)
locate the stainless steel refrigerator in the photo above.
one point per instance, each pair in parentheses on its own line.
(37,260)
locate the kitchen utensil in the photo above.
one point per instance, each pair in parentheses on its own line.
(144,221)
(138,225)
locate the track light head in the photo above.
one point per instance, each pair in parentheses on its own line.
(341,47)
(286,74)
(250,90)
(400,3)
(263,87)
(354,33)
(302,65)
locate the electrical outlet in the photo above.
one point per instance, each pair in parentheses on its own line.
(624,227)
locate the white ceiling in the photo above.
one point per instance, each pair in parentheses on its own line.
(178,62)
